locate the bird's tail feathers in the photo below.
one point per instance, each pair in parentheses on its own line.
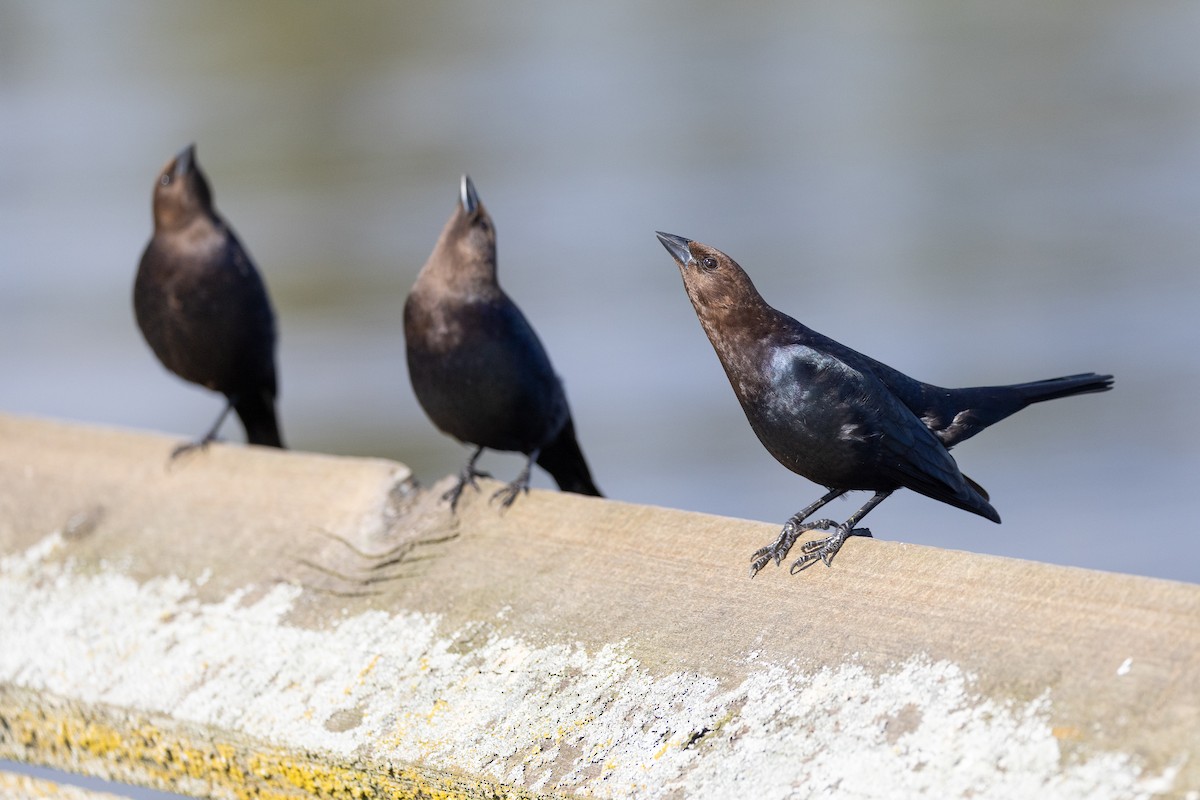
(1054,388)
(975,500)
(978,489)
(256,410)
(987,405)
(563,459)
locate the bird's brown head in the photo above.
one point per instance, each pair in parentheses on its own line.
(715,283)
(466,250)
(181,192)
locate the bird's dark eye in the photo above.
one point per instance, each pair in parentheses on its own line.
(165,180)
(708,263)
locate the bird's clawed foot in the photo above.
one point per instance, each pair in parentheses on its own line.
(204,441)
(509,493)
(465,478)
(825,549)
(777,550)
(199,445)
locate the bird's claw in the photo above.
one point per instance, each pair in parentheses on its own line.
(806,561)
(199,445)
(825,549)
(465,478)
(777,550)
(508,494)
(759,560)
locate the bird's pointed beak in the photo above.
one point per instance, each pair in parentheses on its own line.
(183,161)
(467,195)
(677,246)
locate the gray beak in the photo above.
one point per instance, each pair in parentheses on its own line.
(467,196)
(183,161)
(677,246)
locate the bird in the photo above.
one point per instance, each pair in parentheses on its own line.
(840,418)
(478,368)
(203,307)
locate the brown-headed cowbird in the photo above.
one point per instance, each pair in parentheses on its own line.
(202,305)
(838,417)
(476,365)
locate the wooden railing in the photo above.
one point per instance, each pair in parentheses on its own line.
(245,622)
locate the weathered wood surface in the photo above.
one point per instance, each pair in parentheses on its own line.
(252,623)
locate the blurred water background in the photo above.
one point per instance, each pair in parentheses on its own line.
(972,192)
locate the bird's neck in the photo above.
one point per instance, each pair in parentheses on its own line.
(464,281)
(744,337)
(740,323)
(200,237)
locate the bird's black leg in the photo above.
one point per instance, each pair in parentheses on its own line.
(825,549)
(778,550)
(521,484)
(211,436)
(467,476)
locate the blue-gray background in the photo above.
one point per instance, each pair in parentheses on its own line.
(972,192)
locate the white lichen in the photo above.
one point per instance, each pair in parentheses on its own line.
(556,717)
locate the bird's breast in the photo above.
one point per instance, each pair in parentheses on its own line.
(807,409)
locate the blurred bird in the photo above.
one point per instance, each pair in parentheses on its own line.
(202,306)
(476,365)
(838,417)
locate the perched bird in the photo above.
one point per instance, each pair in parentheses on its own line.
(476,365)
(202,305)
(838,417)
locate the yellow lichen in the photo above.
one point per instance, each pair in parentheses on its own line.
(1069,732)
(370,667)
(136,750)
